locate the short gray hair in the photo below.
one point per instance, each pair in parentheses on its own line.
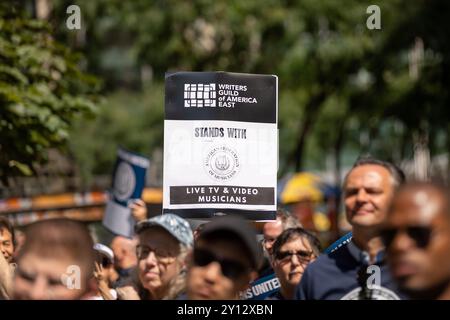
(398,176)
(288,221)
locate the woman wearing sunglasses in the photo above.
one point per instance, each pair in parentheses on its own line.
(163,243)
(293,250)
(224,260)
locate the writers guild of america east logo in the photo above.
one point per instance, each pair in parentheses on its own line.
(124,182)
(199,95)
(222,163)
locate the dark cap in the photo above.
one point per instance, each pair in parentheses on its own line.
(242,230)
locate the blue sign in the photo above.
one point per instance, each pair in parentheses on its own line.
(127,185)
(262,288)
(339,243)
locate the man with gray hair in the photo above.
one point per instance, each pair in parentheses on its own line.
(358,270)
(272,230)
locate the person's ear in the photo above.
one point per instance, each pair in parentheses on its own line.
(272,262)
(189,258)
(253,276)
(184,264)
(249,278)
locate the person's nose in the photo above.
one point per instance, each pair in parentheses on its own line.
(39,289)
(151,259)
(295,261)
(361,196)
(212,272)
(4,252)
(268,244)
(401,243)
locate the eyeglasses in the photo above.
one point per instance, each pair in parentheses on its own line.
(163,256)
(421,235)
(302,256)
(269,240)
(230,268)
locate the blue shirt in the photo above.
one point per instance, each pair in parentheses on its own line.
(344,274)
(276,295)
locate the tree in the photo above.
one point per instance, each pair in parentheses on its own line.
(344,89)
(42,91)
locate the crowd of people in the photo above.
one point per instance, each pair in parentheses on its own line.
(400,249)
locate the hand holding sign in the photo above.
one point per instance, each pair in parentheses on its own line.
(138,210)
(128,183)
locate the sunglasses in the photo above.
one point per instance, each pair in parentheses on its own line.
(163,256)
(420,235)
(303,256)
(230,268)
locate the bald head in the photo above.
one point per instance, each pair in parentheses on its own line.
(272,230)
(124,252)
(417,237)
(420,202)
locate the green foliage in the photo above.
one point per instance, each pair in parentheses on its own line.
(344,89)
(42,91)
(134,121)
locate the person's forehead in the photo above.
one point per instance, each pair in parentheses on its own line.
(370,174)
(296,243)
(416,207)
(224,248)
(5,234)
(48,266)
(118,242)
(272,228)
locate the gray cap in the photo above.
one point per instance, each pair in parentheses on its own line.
(175,225)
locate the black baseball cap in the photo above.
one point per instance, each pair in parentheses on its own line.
(241,229)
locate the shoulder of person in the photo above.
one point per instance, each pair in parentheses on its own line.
(276,295)
(327,265)
(321,273)
(326,260)
(182,296)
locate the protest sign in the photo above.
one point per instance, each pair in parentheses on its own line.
(261,288)
(128,183)
(220,144)
(339,243)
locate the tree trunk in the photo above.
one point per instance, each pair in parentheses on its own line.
(311,111)
(337,177)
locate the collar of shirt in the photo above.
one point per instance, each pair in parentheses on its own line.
(363,256)
(124,272)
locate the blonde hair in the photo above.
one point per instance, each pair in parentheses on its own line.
(178,284)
